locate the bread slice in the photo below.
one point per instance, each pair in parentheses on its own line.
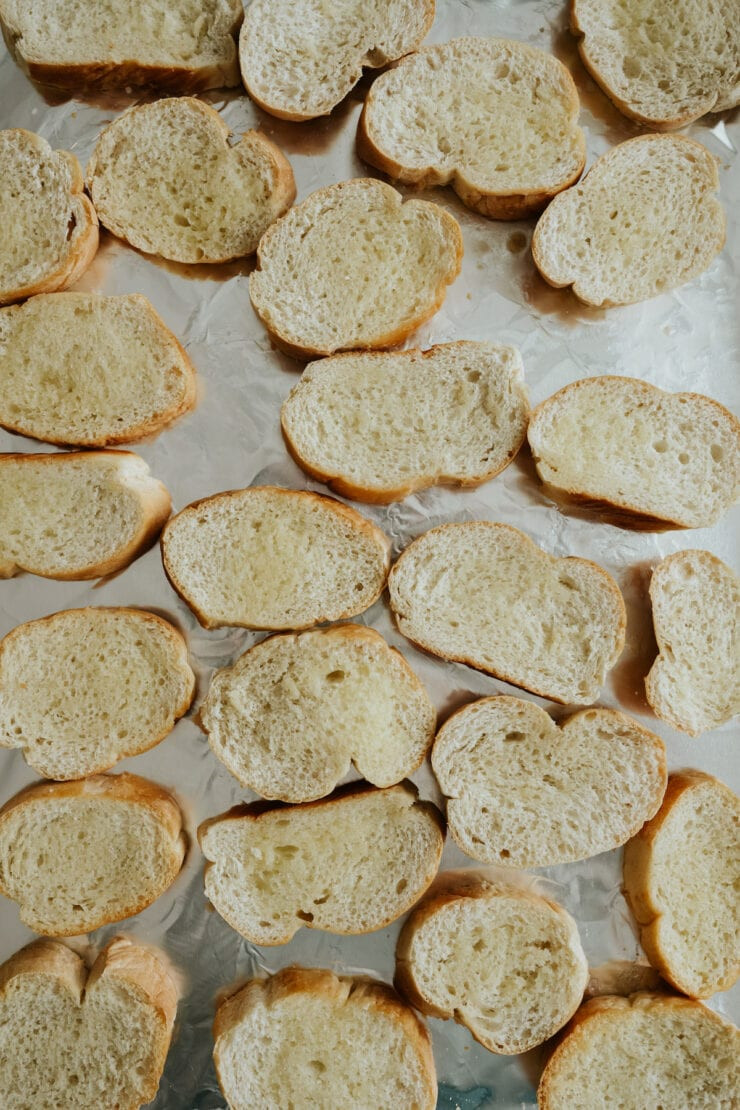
(308,1038)
(494,118)
(644,220)
(486,595)
(295,711)
(78,855)
(693,684)
(349,864)
(274,559)
(525,792)
(73,1039)
(164,177)
(173,45)
(347,421)
(90,371)
(299,58)
(50,230)
(680,879)
(126,680)
(78,515)
(656,458)
(665,67)
(353,266)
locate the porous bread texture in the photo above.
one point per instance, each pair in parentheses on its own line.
(666,65)
(523,791)
(680,878)
(299,58)
(291,715)
(78,855)
(494,118)
(85,370)
(272,558)
(78,515)
(654,456)
(646,1052)
(126,680)
(50,229)
(172,45)
(377,427)
(644,220)
(164,178)
(349,864)
(694,682)
(75,1040)
(353,266)
(502,961)
(485,594)
(349,1042)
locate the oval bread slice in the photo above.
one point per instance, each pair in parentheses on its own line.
(350,864)
(486,595)
(347,420)
(78,855)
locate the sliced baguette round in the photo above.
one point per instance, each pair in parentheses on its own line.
(494,118)
(79,515)
(274,559)
(50,229)
(291,715)
(644,220)
(349,1042)
(350,864)
(655,457)
(347,422)
(353,266)
(681,875)
(78,855)
(486,595)
(125,682)
(523,791)
(164,178)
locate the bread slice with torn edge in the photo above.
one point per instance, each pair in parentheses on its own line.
(70,1037)
(694,683)
(128,681)
(352,863)
(299,59)
(50,229)
(347,421)
(350,1042)
(523,791)
(657,459)
(680,879)
(494,118)
(644,220)
(78,515)
(486,595)
(78,855)
(84,370)
(164,178)
(291,715)
(353,266)
(274,559)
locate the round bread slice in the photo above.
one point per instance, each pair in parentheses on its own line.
(78,855)
(523,791)
(291,715)
(164,178)
(681,875)
(274,559)
(349,1042)
(494,118)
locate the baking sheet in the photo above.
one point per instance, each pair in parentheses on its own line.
(688,339)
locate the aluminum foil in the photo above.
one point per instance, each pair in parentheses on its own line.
(687,339)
